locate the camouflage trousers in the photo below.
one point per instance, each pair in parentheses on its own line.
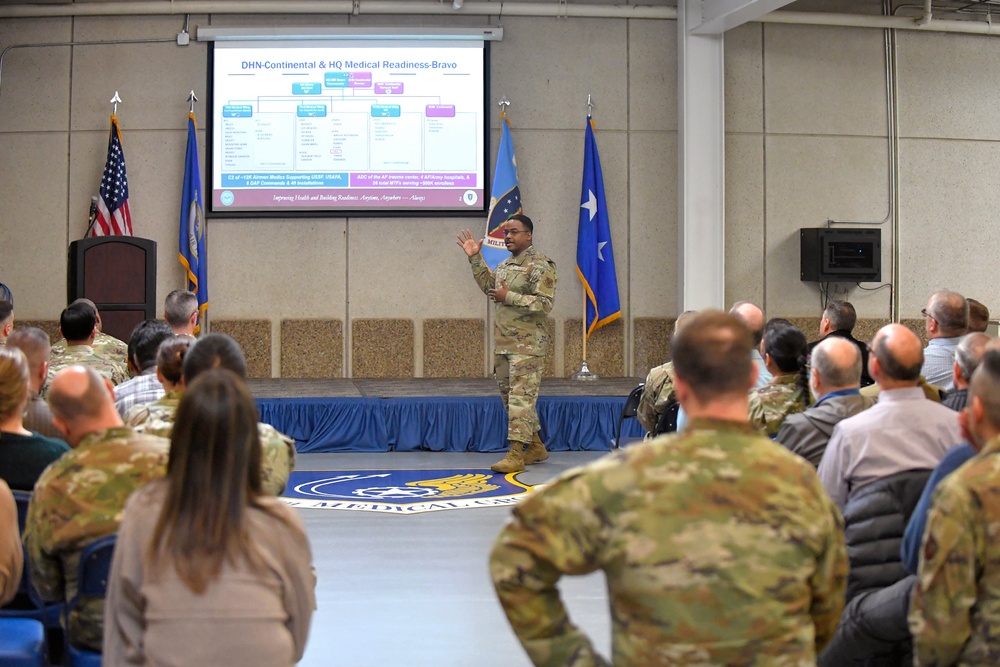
(519,376)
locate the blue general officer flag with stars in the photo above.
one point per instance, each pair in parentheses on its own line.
(595,260)
(192,233)
(505,199)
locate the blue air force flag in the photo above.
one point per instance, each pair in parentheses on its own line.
(192,232)
(595,260)
(505,199)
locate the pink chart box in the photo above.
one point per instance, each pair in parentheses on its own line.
(359,80)
(440,111)
(395,88)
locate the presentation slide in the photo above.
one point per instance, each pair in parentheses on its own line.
(338,126)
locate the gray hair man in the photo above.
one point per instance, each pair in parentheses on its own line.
(180,310)
(946,320)
(968,354)
(835,378)
(903,431)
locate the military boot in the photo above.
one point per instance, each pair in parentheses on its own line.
(513,462)
(536,452)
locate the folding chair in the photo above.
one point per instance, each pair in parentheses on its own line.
(92,582)
(22,643)
(628,411)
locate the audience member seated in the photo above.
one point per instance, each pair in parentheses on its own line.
(785,349)
(753,318)
(6,320)
(946,319)
(35,345)
(873,628)
(979,316)
(78,326)
(838,321)
(207,569)
(80,497)
(143,344)
(11,553)
(719,547)
(955,611)
(169,371)
(180,310)
(903,431)
(23,454)
(835,378)
(105,345)
(968,354)
(658,391)
(221,351)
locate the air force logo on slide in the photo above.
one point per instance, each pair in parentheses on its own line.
(402,491)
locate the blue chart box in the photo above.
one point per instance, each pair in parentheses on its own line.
(237,111)
(335,80)
(311,110)
(307,88)
(385,111)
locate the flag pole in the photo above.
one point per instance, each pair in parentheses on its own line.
(585,373)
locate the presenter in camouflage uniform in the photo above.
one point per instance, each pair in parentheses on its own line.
(719,546)
(523,288)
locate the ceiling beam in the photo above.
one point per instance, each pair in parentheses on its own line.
(718,16)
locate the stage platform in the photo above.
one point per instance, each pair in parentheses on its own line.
(449,415)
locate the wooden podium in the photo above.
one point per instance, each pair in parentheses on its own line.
(118,273)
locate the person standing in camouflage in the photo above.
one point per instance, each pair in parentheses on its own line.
(523,288)
(719,546)
(955,607)
(81,496)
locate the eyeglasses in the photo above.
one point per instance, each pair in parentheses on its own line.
(512,232)
(923,311)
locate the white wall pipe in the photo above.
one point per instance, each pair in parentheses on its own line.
(399,7)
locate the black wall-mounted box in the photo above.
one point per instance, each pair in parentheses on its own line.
(840,255)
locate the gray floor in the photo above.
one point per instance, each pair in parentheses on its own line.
(414,590)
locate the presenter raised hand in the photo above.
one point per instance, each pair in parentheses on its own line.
(523,289)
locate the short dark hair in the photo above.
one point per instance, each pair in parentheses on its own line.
(178,307)
(979,315)
(841,315)
(77,322)
(215,350)
(524,220)
(711,353)
(145,342)
(787,346)
(893,367)
(6,310)
(985,385)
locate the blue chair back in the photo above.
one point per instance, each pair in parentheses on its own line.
(92,582)
(22,643)
(27,604)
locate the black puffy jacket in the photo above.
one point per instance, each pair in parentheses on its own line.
(873,628)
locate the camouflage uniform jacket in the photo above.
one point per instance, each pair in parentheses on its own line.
(277,450)
(520,319)
(113,368)
(955,609)
(770,404)
(79,498)
(719,547)
(161,410)
(657,393)
(104,345)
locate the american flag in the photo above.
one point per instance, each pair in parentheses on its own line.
(113,217)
